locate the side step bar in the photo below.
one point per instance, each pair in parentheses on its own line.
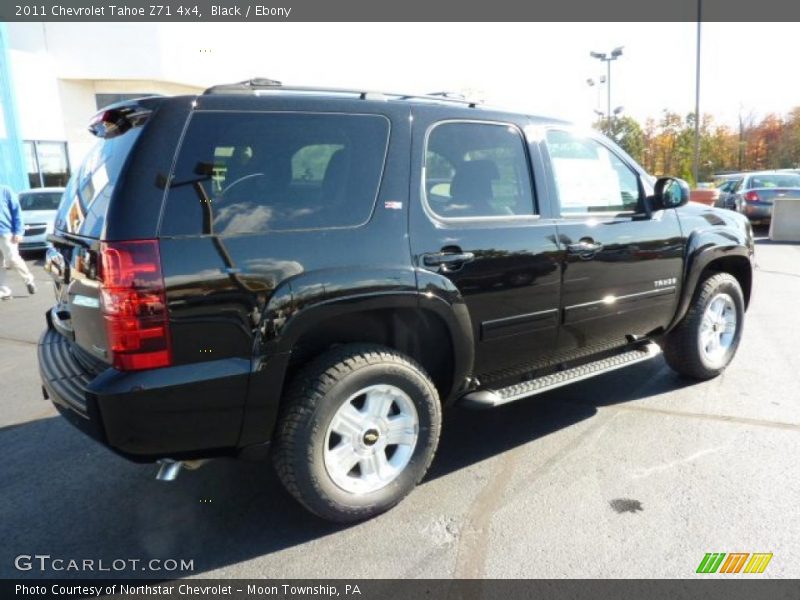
(492,398)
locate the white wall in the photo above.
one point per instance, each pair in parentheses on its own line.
(59,67)
(78,105)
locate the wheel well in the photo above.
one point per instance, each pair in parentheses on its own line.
(739,267)
(419,334)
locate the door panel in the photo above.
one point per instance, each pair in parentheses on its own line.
(622,266)
(476,205)
(629,287)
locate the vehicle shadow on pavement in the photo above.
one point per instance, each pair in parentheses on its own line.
(66,496)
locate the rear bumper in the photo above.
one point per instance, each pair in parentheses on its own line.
(757,212)
(187,411)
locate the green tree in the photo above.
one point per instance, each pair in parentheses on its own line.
(627,133)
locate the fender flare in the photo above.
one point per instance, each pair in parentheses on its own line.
(702,249)
(281,331)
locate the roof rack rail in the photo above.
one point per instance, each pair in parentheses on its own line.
(244,86)
(449,95)
(265,84)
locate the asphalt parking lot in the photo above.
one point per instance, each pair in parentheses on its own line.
(634,474)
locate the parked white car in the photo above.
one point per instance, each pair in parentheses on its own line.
(39,208)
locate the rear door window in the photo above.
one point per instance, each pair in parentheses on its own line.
(477,170)
(240,173)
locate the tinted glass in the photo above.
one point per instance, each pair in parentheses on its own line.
(477,170)
(254,172)
(589,177)
(85,201)
(40,200)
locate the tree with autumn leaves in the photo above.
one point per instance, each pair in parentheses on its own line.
(666,146)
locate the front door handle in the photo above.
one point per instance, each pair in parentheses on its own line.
(586,248)
(447,261)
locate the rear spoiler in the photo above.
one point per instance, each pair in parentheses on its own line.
(116,119)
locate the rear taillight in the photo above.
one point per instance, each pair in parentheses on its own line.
(751,196)
(134,305)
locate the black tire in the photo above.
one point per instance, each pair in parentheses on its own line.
(314,396)
(682,346)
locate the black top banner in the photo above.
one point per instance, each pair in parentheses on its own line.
(407,10)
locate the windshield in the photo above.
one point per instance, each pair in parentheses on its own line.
(775,181)
(39,200)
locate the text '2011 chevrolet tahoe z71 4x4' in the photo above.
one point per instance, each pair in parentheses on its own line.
(319,273)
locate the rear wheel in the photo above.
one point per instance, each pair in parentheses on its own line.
(358,431)
(706,340)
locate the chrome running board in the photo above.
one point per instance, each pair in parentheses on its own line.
(489,398)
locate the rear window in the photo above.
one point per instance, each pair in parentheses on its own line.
(240,173)
(84,204)
(774,181)
(39,200)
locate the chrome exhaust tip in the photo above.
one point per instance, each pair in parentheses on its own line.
(168,469)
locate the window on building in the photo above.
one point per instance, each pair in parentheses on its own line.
(47,163)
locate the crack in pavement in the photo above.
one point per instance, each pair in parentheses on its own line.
(723,418)
(760,270)
(474,542)
(8,339)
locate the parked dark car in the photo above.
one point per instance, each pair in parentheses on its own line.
(754,194)
(315,275)
(727,189)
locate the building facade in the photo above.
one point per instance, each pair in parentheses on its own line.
(55,76)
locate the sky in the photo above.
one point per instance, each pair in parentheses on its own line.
(542,68)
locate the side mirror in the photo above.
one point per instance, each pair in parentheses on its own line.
(670,192)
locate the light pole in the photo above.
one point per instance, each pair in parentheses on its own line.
(607,58)
(696,169)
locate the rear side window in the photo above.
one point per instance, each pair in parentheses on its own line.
(477,170)
(85,202)
(241,173)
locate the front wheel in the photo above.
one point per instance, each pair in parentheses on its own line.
(706,340)
(359,429)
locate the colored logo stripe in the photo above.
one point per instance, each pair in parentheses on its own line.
(758,562)
(734,562)
(713,562)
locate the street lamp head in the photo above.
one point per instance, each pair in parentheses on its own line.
(599,55)
(618,110)
(617,52)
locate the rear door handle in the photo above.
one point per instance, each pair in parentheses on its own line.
(447,261)
(585,248)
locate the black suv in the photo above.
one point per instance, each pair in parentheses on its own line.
(319,273)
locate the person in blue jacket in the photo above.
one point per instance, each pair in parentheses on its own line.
(11,227)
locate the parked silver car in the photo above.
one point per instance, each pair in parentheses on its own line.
(754,194)
(39,208)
